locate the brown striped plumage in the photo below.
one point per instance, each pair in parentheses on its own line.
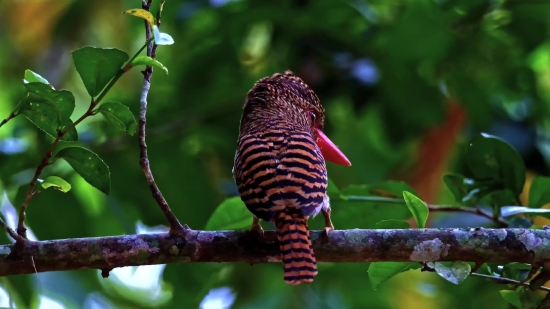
(279,166)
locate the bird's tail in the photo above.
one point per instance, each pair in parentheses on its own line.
(298,257)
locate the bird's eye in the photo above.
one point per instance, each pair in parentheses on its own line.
(312,117)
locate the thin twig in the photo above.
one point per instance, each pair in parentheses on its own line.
(439,208)
(496,279)
(510,281)
(21,229)
(10,231)
(175,225)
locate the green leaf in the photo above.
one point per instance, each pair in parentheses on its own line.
(489,157)
(507,211)
(119,115)
(539,193)
(392,224)
(72,135)
(97,66)
(380,272)
(44,115)
(519,222)
(231,214)
(418,208)
(62,100)
(56,183)
(455,183)
(88,165)
(457,272)
(512,297)
(146,60)
(31,77)
(162,38)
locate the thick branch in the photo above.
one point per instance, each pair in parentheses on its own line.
(422,245)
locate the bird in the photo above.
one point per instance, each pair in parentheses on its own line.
(279,167)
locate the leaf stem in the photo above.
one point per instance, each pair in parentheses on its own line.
(15,111)
(440,208)
(175,226)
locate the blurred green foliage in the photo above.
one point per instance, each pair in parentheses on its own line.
(387,73)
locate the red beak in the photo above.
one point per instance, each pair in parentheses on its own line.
(330,151)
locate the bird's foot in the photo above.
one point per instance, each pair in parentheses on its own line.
(327,230)
(256,227)
(328,223)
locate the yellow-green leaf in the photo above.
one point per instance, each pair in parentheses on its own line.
(146,60)
(56,183)
(512,297)
(141,13)
(32,77)
(418,208)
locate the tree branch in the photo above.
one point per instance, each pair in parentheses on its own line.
(175,225)
(420,245)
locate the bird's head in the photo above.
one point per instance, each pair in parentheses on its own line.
(284,100)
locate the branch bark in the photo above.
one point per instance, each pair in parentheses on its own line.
(422,245)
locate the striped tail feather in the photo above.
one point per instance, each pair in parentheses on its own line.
(295,244)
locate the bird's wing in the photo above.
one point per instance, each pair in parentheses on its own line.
(276,170)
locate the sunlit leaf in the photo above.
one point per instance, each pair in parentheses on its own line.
(392,224)
(231,214)
(119,115)
(512,297)
(32,77)
(379,272)
(97,66)
(56,183)
(162,38)
(489,157)
(146,60)
(141,13)
(418,208)
(539,193)
(88,165)
(455,273)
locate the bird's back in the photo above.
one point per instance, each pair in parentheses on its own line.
(280,168)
